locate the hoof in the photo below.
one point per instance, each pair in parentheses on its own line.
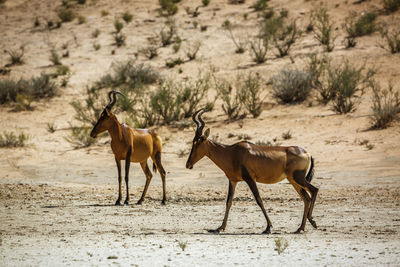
(267,231)
(118,203)
(214,231)
(298,231)
(139,202)
(163,203)
(126,203)
(313,223)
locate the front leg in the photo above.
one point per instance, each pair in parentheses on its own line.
(127,165)
(231,192)
(118,202)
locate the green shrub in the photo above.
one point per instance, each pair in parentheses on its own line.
(232,104)
(205,2)
(81,19)
(385,106)
(150,51)
(356,27)
(347,84)
(323,28)
(23,102)
(42,86)
(96,33)
(193,92)
(119,39)
(62,70)
(168,7)
(391,6)
(168,33)
(118,25)
(283,34)
(11,139)
(317,68)
(280,245)
(174,62)
(167,102)
(81,2)
(291,86)
(250,88)
(260,5)
(127,17)
(66,15)
(104,13)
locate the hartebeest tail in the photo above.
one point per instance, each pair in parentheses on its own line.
(245,161)
(131,145)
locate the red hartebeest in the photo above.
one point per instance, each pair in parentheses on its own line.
(245,161)
(131,145)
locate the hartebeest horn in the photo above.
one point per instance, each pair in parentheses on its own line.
(113,99)
(199,122)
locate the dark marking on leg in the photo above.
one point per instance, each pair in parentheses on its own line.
(127,165)
(118,202)
(161,170)
(148,175)
(253,187)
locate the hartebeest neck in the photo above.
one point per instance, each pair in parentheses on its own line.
(219,154)
(115,130)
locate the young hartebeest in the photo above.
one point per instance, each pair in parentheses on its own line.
(131,145)
(245,161)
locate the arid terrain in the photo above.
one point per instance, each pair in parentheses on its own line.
(57,201)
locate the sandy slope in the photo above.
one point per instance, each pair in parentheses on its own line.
(56,201)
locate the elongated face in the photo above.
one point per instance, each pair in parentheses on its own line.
(198,150)
(103,123)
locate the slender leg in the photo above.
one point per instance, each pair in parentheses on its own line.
(127,165)
(253,187)
(307,200)
(231,192)
(118,202)
(314,191)
(161,170)
(148,175)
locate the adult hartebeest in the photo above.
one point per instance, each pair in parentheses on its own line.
(131,145)
(245,161)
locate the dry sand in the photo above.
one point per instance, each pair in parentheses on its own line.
(56,202)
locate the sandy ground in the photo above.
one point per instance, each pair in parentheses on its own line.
(56,202)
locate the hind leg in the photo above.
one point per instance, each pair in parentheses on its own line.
(160,168)
(307,201)
(148,174)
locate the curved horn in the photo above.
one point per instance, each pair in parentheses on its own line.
(113,99)
(195,120)
(201,121)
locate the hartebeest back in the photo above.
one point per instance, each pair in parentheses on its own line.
(131,145)
(245,161)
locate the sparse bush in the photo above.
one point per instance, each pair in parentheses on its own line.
(182,245)
(347,84)
(168,7)
(323,28)
(280,245)
(151,51)
(81,19)
(42,86)
(356,27)
(23,102)
(66,15)
(11,139)
(16,56)
(192,48)
(240,43)
(127,17)
(193,92)
(62,70)
(391,6)
(96,46)
(250,90)
(291,86)
(174,62)
(282,34)
(205,2)
(385,106)
(318,68)
(167,101)
(260,5)
(119,39)
(286,135)
(118,26)
(231,99)
(81,2)
(55,57)
(104,13)
(392,39)
(168,32)
(244,137)
(51,128)
(80,137)
(96,33)
(259,47)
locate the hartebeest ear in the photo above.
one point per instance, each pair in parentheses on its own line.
(207,133)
